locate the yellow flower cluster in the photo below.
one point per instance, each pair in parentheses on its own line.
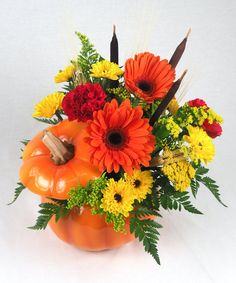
(173,106)
(201,147)
(180,174)
(49,105)
(65,75)
(212,116)
(119,196)
(106,69)
(178,170)
(171,126)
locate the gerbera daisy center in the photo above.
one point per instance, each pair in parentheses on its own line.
(145,86)
(115,138)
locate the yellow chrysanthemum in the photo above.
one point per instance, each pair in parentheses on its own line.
(141,182)
(65,75)
(201,145)
(173,106)
(117,197)
(180,174)
(106,69)
(49,105)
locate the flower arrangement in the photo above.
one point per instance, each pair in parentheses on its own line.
(119,147)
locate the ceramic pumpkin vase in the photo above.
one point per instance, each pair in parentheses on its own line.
(50,173)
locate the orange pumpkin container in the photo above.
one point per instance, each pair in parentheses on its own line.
(54,161)
(89,232)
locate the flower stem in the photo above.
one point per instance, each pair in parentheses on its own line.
(61,151)
(58,116)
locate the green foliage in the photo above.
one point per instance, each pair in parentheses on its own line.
(213,187)
(89,195)
(117,220)
(146,231)
(194,187)
(18,190)
(87,56)
(47,211)
(206,181)
(52,121)
(69,86)
(78,197)
(143,211)
(25,142)
(178,200)
(120,93)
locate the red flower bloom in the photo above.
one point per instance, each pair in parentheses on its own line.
(197,103)
(81,102)
(213,130)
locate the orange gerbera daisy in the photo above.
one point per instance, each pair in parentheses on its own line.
(119,136)
(148,77)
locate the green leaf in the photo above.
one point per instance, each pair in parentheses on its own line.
(194,187)
(88,55)
(25,142)
(201,170)
(18,191)
(177,200)
(47,211)
(52,121)
(144,211)
(146,231)
(213,188)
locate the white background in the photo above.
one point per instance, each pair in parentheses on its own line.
(36,40)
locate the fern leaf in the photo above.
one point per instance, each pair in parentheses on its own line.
(194,187)
(144,211)
(177,201)
(25,142)
(47,211)
(18,191)
(145,230)
(213,188)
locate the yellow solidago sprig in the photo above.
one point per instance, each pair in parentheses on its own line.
(200,146)
(141,182)
(48,106)
(171,126)
(117,197)
(212,116)
(179,171)
(106,69)
(65,75)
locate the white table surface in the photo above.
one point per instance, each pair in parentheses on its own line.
(36,40)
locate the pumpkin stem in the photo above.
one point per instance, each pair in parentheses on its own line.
(61,151)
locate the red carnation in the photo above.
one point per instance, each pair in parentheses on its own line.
(213,130)
(197,103)
(81,102)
